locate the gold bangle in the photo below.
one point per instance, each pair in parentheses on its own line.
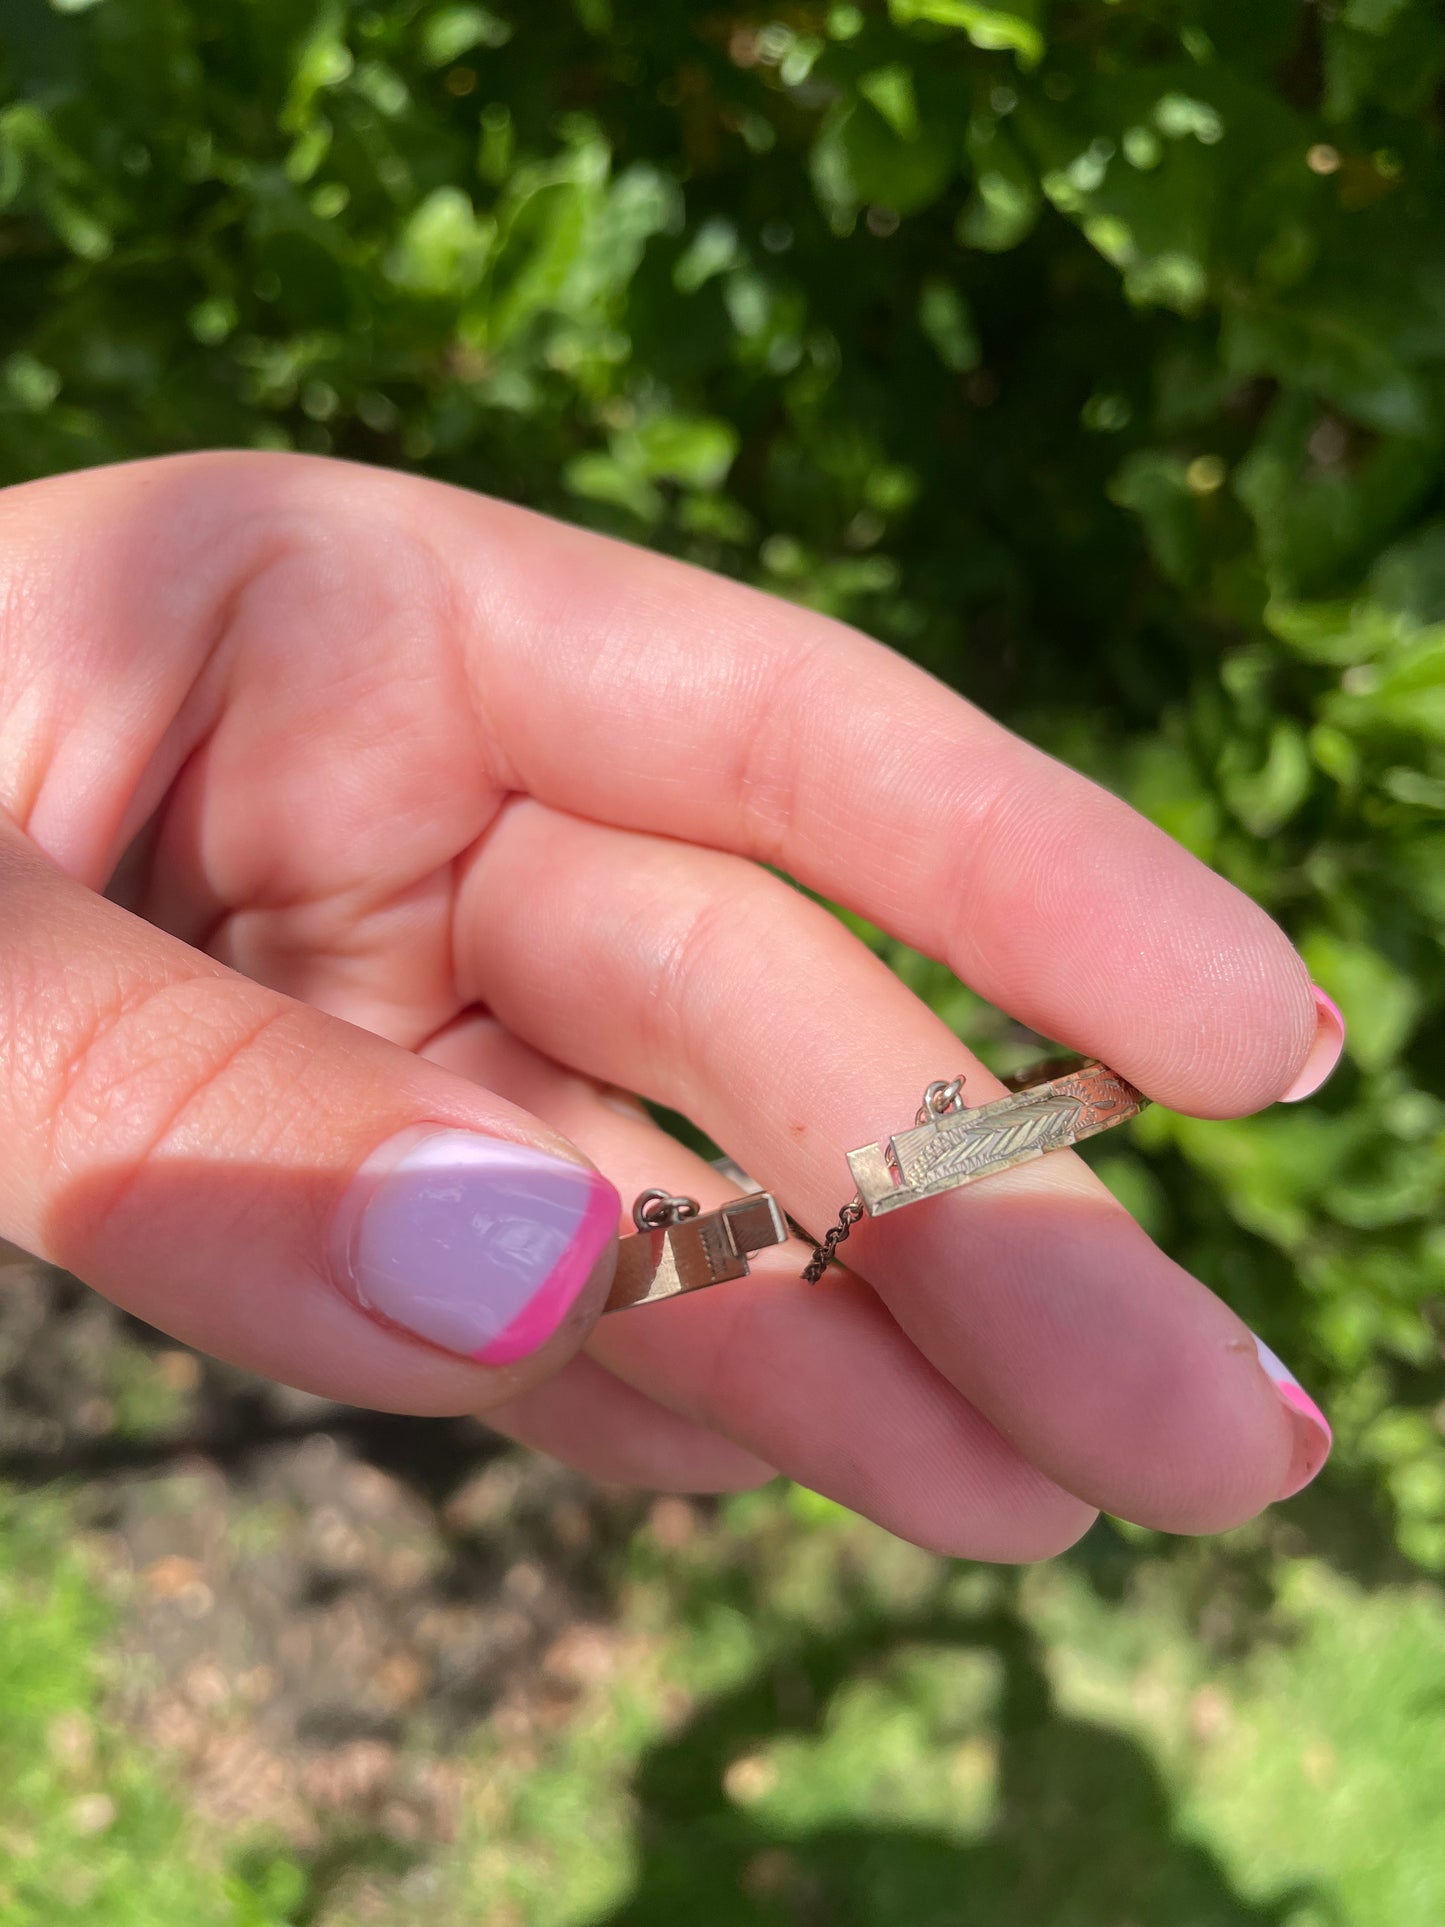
(949,1145)
(679,1248)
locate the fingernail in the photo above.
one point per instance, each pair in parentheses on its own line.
(1313,1437)
(626,1105)
(475,1243)
(1325,1050)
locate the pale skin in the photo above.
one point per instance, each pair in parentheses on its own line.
(438,811)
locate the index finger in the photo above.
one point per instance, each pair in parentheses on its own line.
(634,690)
(697,707)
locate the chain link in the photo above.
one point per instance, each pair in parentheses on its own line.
(824,1253)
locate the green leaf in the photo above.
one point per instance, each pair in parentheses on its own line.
(1155,485)
(324,60)
(688,449)
(1013,28)
(1269,1169)
(1338,633)
(541,241)
(443,247)
(1409,577)
(212,320)
(1407,693)
(1006,200)
(453,31)
(602,478)
(712,250)
(1165,784)
(1324,343)
(1178,116)
(28,383)
(890,89)
(1317,524)
(945,318)
(860,159)
(1264,797)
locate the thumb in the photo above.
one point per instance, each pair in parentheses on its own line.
(273,1185)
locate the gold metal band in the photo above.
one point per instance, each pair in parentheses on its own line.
(951,1145)
(678,1248)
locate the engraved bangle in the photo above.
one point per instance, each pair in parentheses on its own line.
(949,1145)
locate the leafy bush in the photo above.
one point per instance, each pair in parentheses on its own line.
(1092,353)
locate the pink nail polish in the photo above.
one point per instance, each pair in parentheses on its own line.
(478,1244)
(1324,1052)
(1313,1437)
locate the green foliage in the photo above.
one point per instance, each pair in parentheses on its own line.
(1092,353)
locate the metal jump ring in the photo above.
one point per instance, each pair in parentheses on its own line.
(654,1210)
(945,1094)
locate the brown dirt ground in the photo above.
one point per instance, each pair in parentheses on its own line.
(318,1605)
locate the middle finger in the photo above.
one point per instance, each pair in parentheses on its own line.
(718,990)
(823,1385)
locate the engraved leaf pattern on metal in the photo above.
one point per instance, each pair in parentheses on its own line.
(1102,1095)
(1011,1129)
(956,1147)
(1038,1125)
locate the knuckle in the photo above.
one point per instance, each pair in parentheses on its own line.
(142,1068)
(996,826)
(696,956)
(770,771)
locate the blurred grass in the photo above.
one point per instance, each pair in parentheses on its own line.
(785,1716)
(849,1731)
(93,1826)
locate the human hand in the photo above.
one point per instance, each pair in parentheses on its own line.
(442,828)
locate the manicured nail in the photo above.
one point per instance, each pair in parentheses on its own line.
(1325,1050)
(475,1243)
(1313,1437)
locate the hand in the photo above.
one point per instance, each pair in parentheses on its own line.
(441,828)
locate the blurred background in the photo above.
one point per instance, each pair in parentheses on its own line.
(1091,353)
